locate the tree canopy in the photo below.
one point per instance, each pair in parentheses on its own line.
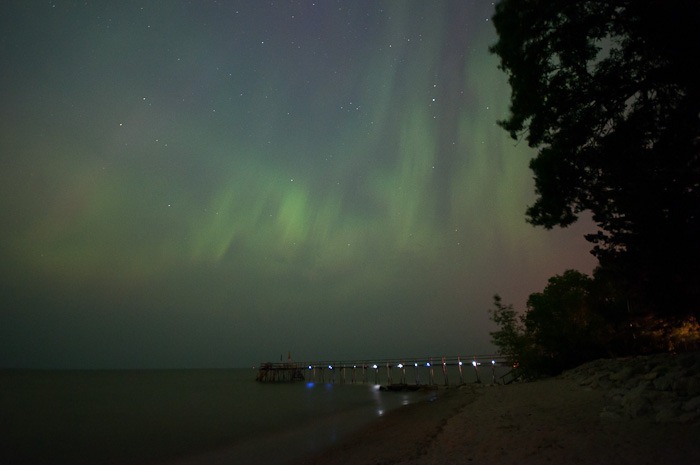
(563,325)
(608,92)
(573,320)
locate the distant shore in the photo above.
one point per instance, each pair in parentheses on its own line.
(571,419)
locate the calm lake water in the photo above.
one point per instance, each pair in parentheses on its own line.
(177,416)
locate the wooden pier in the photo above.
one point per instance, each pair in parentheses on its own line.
(280,372)
(407,372)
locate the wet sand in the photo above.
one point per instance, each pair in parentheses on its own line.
(551,421)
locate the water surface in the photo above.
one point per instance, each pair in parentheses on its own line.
(166,416)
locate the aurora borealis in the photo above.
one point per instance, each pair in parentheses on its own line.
(211,184)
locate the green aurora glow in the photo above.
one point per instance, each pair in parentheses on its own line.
(212,185)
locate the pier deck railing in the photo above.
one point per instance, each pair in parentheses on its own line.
(408,370)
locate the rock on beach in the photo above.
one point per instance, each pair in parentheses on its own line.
(663,387)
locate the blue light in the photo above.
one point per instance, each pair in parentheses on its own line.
(427,364)
(310,367)
(330,367)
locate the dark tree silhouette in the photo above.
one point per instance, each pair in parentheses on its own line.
(561,328)
(609,94)
(510,337)
(565,328)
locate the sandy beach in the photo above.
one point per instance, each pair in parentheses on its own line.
(554,421)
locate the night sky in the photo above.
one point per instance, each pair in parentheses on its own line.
(214,183)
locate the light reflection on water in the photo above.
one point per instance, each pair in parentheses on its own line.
(123,416)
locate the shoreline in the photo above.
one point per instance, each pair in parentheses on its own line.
(560,420)
(402,433)
(634,410)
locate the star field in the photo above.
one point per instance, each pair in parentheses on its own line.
(214,183)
